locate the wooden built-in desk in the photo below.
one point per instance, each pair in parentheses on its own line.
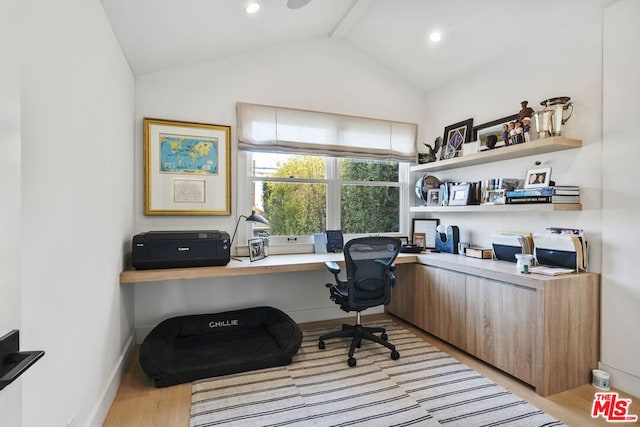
(543,330)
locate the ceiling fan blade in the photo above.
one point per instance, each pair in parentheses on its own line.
(297,4)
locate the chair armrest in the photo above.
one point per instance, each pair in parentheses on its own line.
(332,266)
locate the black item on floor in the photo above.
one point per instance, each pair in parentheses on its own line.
(188,348)
(370,276)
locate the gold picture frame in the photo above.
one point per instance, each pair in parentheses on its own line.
(187,168)
(419,239)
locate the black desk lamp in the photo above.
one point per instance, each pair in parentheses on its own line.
(254,217)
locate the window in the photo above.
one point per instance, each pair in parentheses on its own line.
(302,195)
(332,171)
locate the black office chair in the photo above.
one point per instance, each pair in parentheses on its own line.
(370,276)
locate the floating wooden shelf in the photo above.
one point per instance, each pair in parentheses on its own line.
(525,207)
(539,146)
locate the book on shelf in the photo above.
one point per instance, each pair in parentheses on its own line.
(545,191)
(568,191)
(565,199)
(528,199)
(543,199)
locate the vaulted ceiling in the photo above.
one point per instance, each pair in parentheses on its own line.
(156,35)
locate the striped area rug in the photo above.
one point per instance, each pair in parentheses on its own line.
(425,387)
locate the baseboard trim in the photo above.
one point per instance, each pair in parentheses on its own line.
(622,380)
(99,412)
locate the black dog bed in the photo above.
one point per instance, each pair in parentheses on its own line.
(187,348)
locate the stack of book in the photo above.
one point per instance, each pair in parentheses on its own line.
(556,194)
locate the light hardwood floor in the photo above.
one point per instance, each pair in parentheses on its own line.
(138,403)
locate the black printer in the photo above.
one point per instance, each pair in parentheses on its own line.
(171,249)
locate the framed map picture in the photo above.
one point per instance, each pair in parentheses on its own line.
(187,168)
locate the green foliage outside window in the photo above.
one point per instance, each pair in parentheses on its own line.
(300,208)
(296,208)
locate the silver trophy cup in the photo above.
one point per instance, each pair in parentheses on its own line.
(555,114)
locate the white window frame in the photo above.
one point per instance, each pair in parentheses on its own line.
(304,244)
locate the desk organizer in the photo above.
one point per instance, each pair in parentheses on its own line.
(13,362)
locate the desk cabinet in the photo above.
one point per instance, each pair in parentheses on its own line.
(501,316)
(433,299)
(542,330)
(445,292)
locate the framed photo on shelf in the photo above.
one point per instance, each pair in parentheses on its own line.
(187,168)
(428,227)
(454,136)
(256,249)
(482,132)
(434,197)
(459,194)
(495,197)
(419,239)
(537,178)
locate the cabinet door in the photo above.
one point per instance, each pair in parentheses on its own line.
(403,298)
(501,325)
(442,299)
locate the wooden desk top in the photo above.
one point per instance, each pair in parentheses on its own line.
(270,264)
(498,270)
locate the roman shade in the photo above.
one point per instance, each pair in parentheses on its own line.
(286,130)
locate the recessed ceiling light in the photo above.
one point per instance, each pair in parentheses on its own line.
(252,7)
(435,36)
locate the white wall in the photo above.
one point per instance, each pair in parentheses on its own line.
(77,210)
(322,75)
(10,20)
(621,197)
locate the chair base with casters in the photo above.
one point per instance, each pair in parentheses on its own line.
(358,332)
(370,275)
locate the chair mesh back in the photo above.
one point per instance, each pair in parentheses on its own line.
(368,260)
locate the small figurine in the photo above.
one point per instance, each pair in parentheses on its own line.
(505,133)
(525,111)
(512,133)
(519,132)
(526,127)
(431,155)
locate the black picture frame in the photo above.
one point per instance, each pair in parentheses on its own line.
(427,226)
(482,132)
(455,136)
(335,241)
